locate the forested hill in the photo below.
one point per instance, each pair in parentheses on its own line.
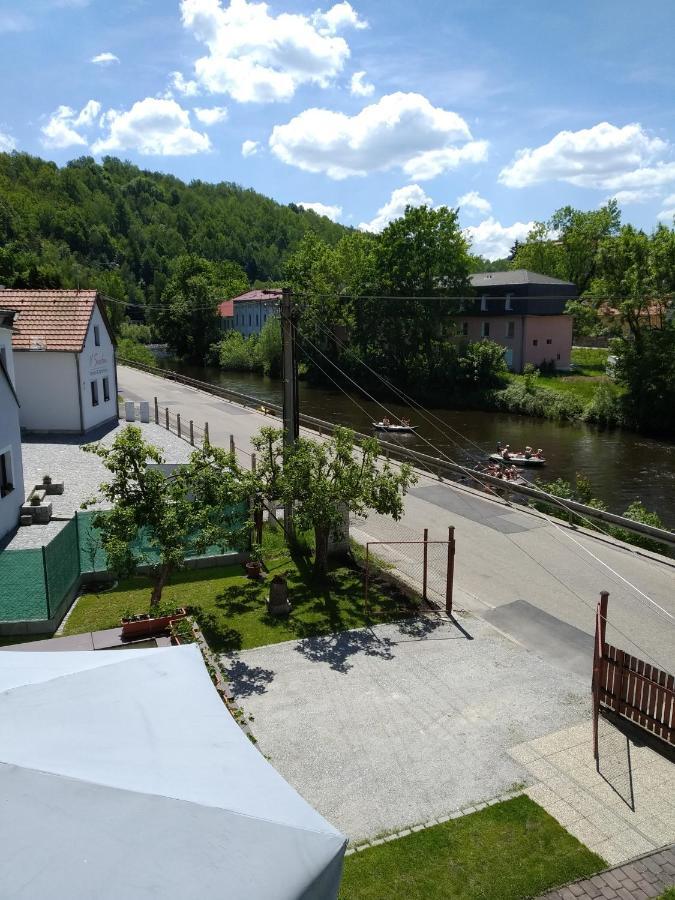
(119,227)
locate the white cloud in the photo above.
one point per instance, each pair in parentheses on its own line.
(323,209)
(402,130)
(434,162)
(639,196)
(152,127)
(212,115)
(473,201)
(493,240)
(60,130)
(410,195)
(258,57)
(186,88)
(342,15)
(604,157)
(359,87)
(250,148)
(105,59)
(7,143)
(668,212)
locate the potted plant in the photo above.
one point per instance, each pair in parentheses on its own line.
(146,624)
(34,500)
(46,480)
(254,564)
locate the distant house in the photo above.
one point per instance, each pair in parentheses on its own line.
(253,309)
(64,359)
(11,468)
(226,313)
(524,312)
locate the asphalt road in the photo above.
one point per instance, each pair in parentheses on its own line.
(535,581)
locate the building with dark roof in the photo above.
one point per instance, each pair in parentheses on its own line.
(251,310)
(524,312)
(64,359)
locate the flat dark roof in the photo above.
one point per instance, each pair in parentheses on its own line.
(515,276)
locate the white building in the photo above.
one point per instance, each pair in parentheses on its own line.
(253,309)
(11,468)
(64,358)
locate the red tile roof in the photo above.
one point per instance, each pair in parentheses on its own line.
(271,294)
(49,319)
(226,309)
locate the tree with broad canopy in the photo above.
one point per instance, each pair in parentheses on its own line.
(197,505)
(320,479)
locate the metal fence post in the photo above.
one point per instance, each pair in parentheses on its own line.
(156,412)
(178,424)
(604,598)
(206,434)
(192,433)
(254,463)
(232,447)
(451,570)
(425,563)
(365,584)
(46,578)
(166,416)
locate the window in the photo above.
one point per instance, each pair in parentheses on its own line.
(6,485)
(97,336)
(535,343)
(558,357)
(485,329)
(507,303)
(94,393)
(106,390)
(465,328)
(483,304)
(549,341)
(510,329)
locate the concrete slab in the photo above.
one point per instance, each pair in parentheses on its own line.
(624,809)
(554,640)
(385,728)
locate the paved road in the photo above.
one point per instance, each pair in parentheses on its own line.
(533,580)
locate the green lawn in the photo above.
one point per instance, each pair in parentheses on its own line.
(507,851)
(231,608)
(583,381)
(589,360)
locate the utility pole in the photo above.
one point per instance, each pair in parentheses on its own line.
(291,417)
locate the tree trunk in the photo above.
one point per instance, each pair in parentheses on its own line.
(160,580)
(321,551)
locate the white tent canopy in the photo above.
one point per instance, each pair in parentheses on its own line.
(123,775)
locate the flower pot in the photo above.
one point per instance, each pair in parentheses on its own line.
(149,624)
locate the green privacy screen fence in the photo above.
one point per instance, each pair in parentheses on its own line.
(34,583)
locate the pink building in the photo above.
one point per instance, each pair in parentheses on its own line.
(524,312)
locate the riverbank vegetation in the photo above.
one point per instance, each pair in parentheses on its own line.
(582,491)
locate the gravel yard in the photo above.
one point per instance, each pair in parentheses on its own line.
(387,727)
(61,457)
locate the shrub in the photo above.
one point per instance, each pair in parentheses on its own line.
(129,349)
(606,407)
(141,334)
(526,398)
(637,512)
(236,353)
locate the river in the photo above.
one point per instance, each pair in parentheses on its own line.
(620,465)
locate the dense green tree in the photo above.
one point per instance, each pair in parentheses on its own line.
(177,516)
(321,479)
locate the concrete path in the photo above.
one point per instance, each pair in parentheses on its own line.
(647,876)
(625,808)
(535,581)
(385,728)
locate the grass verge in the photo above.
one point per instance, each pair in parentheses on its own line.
(507,851)
(231,608)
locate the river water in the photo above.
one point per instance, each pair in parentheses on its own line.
(620,465)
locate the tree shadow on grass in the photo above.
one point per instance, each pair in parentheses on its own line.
(336,649)
(246,680)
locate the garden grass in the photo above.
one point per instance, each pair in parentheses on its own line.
(506,851)
(231,608)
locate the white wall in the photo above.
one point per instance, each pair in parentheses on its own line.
(97,363)
(10,440)
(46,383)
(6,345)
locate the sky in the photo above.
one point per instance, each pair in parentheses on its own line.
(355,109)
